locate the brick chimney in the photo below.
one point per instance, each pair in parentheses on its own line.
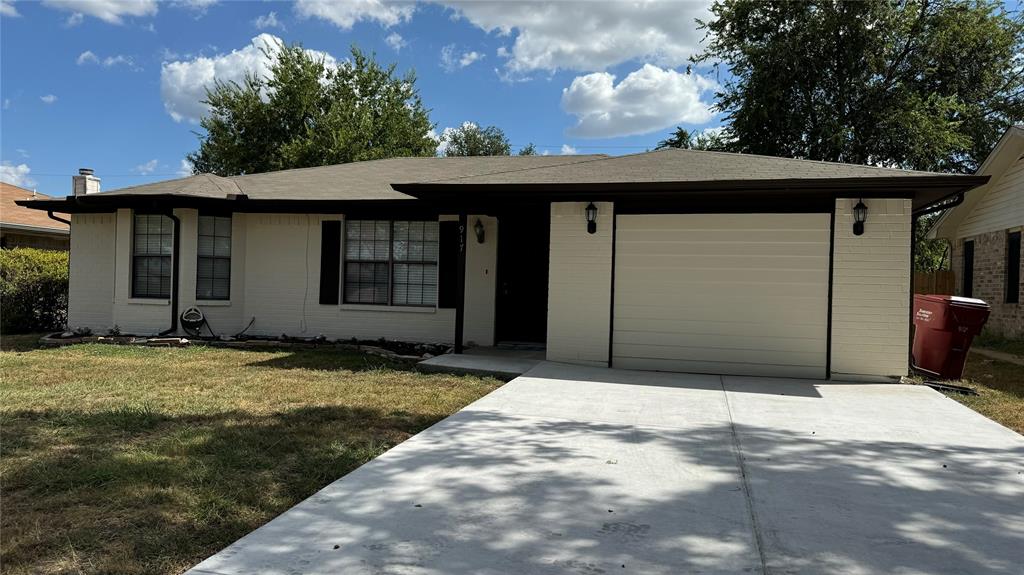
(84,183)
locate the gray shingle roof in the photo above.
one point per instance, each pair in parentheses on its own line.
(370,180)
(677,165)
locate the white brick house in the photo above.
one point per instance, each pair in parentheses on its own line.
(674,260)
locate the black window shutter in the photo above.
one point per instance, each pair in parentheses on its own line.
(447,264)
(330,261)
(968,280)
(1013,268)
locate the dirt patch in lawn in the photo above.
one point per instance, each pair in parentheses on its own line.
(140,460)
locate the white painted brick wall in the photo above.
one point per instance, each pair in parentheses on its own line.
(579,284)
(870,290)
(91,284)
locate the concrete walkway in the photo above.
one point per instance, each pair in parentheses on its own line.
(1000,355)
(589,471)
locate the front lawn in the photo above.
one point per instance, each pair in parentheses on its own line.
(1000,387)
(144,460)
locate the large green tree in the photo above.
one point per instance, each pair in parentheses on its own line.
(307,113)
(685,139)
(925,84)
(470,139)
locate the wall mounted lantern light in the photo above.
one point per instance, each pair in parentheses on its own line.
(591,212)
(478,229)
(860,213)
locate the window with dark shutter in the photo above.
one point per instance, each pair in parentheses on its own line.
(152,247)
(967,289)
(330,262)
(391,263)
(213,266)
(1013,267)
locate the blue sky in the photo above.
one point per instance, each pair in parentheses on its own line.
(115,84)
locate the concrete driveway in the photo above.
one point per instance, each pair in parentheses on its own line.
(586,470)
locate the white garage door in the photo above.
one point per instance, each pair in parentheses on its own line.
(742,294)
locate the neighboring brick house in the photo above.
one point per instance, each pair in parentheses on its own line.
(985,234)
(25,228)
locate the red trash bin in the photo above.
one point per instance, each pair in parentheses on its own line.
(944,327)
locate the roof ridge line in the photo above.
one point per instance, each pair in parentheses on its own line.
(826,162)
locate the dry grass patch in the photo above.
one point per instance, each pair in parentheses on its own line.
(1000,387)
(142,460)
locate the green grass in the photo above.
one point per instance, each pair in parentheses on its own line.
(118,459)
(1000,387)
(999,343)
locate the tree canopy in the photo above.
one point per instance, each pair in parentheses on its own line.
(470,139)
(686,139)
(915,84)
(308,113)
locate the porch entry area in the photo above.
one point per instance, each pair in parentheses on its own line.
(521,299)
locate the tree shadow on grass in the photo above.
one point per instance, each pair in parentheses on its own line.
(331,360)
(132,490)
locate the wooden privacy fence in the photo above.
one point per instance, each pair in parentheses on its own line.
(937,282)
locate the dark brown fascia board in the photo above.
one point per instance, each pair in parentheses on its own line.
(879,185)
(428,199)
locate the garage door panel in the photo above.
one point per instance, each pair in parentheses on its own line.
(726,249)
(697,235)
(737,341)
(730,368)
(722,293)
(711,327)
(720,355)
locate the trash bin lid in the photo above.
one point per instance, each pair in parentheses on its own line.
(953,300)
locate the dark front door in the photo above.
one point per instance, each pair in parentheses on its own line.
(522,299)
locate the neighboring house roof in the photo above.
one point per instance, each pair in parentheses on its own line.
(1007,152)
(410,178)
(15,217)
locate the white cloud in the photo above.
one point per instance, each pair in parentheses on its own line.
(183,83)
(110,11)
(451,60)
(22,152)
(7,103)
(7,9)
(198,6)
(648,99)
(147,168)
(268,21)
(48,99)
(16,175)
(442,138)
(568,150)
(395,41)
(89,57)
(184,169)
(346,13)
(588,36)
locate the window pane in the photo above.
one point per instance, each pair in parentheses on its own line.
(206,226)
(205,247)
(152,245)
(223,227)
(222,247)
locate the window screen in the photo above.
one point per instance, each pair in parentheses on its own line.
(391,262)
(213,272)
(1013,267)
(415,263)
(367,257)
(152,246)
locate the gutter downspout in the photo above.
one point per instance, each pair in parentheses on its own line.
(49,214)
(943,204)
(174,273)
